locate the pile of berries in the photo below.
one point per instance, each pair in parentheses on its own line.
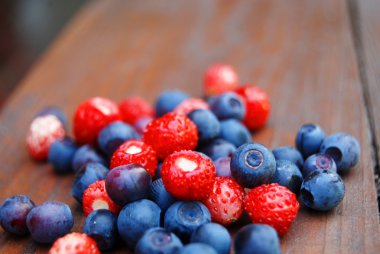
(170,178)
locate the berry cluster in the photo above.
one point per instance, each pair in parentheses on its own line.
(169,178)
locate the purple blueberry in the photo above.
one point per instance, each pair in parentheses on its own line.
(218,148)
(287,174)
(86,154)
(228,105)
(158,241)
(318,162)
(194,248)
(309,139)
(208,125)
(290,154)
(234,132)
(160,195)
(141,123)
(61,154)
(55,111)
(168,100)
(214,235)
(158,170)
(13,214)
(223,166)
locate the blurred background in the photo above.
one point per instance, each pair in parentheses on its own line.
(27,28)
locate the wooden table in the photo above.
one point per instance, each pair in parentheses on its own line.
(318,60)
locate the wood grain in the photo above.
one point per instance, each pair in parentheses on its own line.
(302,53)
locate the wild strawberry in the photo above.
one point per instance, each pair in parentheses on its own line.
(257,106)
(74,243)
(189,105)
(225,202)
(95,197)
(188,175)
(170,133)
(91,116)
(272,204)
(220,78)
(43,131)
(135,151)
(133,108)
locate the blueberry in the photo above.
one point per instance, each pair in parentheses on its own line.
(158,241)
(128,183)
(194,248)
(89,174)
(86,154)
(322,190)
(61,154)
(182,218)
(207,124)
(158,170)
(141,123)
(214,235)
(13,214)
(228,105)
(318,162)
(135,218)
(49,221)
(309,139)
(223,166)
(256,239)
(168,100)
(290,154)
(234,132)
(218,148)
(55,111)
(287,174)
(344,149)
(113,135)
(160,196)
(101,225)
(252,165)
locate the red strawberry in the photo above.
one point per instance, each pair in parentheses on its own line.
(91,116)
(95,197)
(133,108)
(220,78)
(272,204)
(43,131)
(189,105)
(187,175)
(135,151)
(74,243)
(257,106)
(225,202)
(170,133)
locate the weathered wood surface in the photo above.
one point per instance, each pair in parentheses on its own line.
(302,53)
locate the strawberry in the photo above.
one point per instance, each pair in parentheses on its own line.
(225,202)
(91,116)
(189,105)
(74,243)
(170,133)
(133,108)
(257,106)
(135,151)
(220,78)
(43,131)
(272,204)
(95,197)
(188,175)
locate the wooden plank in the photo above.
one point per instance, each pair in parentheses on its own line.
(302,53)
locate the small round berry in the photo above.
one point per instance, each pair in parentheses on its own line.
(309,139)
(207,124)
(228,105)
(287,174)
(160,196)
(84,155)
(74,243)
(214,235)
(318,162)
(219,78)
(134,108)
(218,148)
(141,124)
(158,241)
(223,166)
(189,105)
(192,248)
(61,154)
(168,100)
(234,132)
(288,153)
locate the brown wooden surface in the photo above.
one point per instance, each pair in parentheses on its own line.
(301,52)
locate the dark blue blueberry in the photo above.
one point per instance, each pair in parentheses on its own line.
(234,132)
(322,190)
(89,174)
(194,248)
(86,154)
(344,149)
(218,148)
(214,235)
(160,195)
(55,111)
(208,125)
(61,154)
(101,225)
(49,221)
(158,241)
(113,135)
(252,165)
(228,105)
(168,100)
(135,218)
(13,214)
(318,162)
(158,170)
(257,239)
(309,139)
(223,166)
(290,154)
(182,218)
(128,183)
(287,174)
